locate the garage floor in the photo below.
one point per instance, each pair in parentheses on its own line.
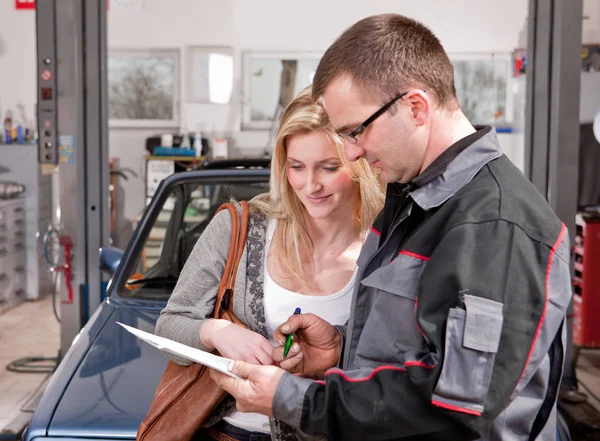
(31,330)
(28,330)
(588,375)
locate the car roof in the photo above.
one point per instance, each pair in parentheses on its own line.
(220,164)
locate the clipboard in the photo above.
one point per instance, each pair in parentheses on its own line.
(196,355)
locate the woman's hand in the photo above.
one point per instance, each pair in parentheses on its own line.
(233,341)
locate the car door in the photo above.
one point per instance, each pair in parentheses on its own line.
(105,383)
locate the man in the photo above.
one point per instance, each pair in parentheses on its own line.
(456,330)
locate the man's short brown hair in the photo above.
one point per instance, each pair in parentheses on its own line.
(389,53)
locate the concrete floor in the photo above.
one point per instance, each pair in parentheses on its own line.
(588,375)
(31,330)
(27,330)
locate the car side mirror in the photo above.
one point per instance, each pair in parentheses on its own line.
(110,257)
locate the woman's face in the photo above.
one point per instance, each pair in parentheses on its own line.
(318,177)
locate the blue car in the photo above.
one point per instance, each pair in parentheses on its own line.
(103,386)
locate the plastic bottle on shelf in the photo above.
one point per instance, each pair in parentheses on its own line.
(20,134)
(220,148)
(185,141)
(197,145)
(8,138)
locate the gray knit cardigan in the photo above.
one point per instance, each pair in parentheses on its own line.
(193,299)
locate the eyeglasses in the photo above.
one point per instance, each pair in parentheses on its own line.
(351,136)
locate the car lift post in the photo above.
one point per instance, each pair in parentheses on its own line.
(552,151)
(73,144)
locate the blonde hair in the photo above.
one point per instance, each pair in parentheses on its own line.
(291,241)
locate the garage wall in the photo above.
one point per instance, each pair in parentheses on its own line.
(270,25)
(258,25)
(17,60)
(590,32)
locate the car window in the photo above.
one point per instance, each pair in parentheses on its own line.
(171,237)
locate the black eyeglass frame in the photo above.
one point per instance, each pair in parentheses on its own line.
(351,136)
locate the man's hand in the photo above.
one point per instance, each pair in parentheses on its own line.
(255,390)
(316,348)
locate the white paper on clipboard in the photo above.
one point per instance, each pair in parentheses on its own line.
(164,344)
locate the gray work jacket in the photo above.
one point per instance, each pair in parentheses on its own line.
(456,325)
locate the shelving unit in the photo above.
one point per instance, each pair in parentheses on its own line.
(13,283)
(20,164)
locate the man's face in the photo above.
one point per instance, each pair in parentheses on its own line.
(394,143)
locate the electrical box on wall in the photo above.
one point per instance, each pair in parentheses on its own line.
(46,80)
(156,171)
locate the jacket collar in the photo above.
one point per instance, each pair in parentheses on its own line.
(458,169)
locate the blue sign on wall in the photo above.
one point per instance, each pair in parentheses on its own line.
(66,149)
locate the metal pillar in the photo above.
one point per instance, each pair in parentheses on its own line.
(72,33)
(552,113)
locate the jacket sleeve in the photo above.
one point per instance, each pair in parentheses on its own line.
(342,330)
(509,294)
(193,298)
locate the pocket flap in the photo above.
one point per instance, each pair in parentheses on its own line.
(400,277)
(483,324)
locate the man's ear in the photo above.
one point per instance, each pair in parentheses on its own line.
(420,106)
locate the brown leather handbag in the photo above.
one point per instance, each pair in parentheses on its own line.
(186,396)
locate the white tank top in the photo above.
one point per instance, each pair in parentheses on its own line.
(279,304)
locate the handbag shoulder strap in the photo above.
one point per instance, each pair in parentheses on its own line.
(239,232)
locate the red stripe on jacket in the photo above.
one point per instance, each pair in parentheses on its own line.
(543,317)
(415,255)
(455,408)
(368,377)
(419,364)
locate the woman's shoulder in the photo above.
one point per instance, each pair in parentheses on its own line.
(257,220)
(257,223)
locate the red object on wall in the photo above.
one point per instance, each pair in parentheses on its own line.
(30,4)
(65,241)
(586,282)
(24,4)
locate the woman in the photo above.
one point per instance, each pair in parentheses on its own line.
(303,240)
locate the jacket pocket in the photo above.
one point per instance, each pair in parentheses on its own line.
(390,329)
(472,340)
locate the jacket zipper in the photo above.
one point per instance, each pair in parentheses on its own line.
(350,331)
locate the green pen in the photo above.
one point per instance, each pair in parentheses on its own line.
(290,338)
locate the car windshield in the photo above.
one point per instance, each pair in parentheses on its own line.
(174,232)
